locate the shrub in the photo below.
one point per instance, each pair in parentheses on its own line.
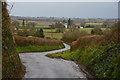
(87,41)
(26,41)
(59,27)
(23,33)
(72,36)
(97,31)
(40,33)
(113,34)
(37,44)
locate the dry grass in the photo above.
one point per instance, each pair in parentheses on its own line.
(26,41)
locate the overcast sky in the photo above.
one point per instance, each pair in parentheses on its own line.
(65,9)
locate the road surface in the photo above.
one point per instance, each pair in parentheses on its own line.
(40,66)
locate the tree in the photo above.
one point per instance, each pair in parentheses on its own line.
(32,31)
(69,22)
(64,21)
(40,33)
(59,27)
(92,32)
(97,31)
(106,25)
(82,24)
(23,22)
(72,28)
(11,63)
(30,24)
(71,25)
(16,24)
(52,27)
(89,26)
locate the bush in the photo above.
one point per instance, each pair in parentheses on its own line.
(36,44)
(26,41)
(24,33)
(59,27)
(97,31)
(40,33)
(72,36)
(87,41)
(113,34)
(60,30)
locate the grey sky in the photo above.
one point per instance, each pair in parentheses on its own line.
(66,9)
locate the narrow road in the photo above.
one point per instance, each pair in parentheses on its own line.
(40,66)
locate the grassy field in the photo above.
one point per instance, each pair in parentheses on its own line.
(94,24)
(42,26)
(59,35)
(49,30)
(87,29)
(35,48)
(23,29)
(39,26)
(55,35)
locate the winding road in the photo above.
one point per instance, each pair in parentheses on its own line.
(40,66)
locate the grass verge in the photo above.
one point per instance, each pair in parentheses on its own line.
(102,60)
(34,48)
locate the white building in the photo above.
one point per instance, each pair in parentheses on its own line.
(81,27)
(66,26)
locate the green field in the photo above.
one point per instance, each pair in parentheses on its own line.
(42,26)
(87,29)
(94,23)
(23,29)
(55,35)
(59,35)
(49,30)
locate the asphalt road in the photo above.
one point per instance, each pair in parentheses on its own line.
(40,66)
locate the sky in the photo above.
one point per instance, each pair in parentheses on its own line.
(65,9)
